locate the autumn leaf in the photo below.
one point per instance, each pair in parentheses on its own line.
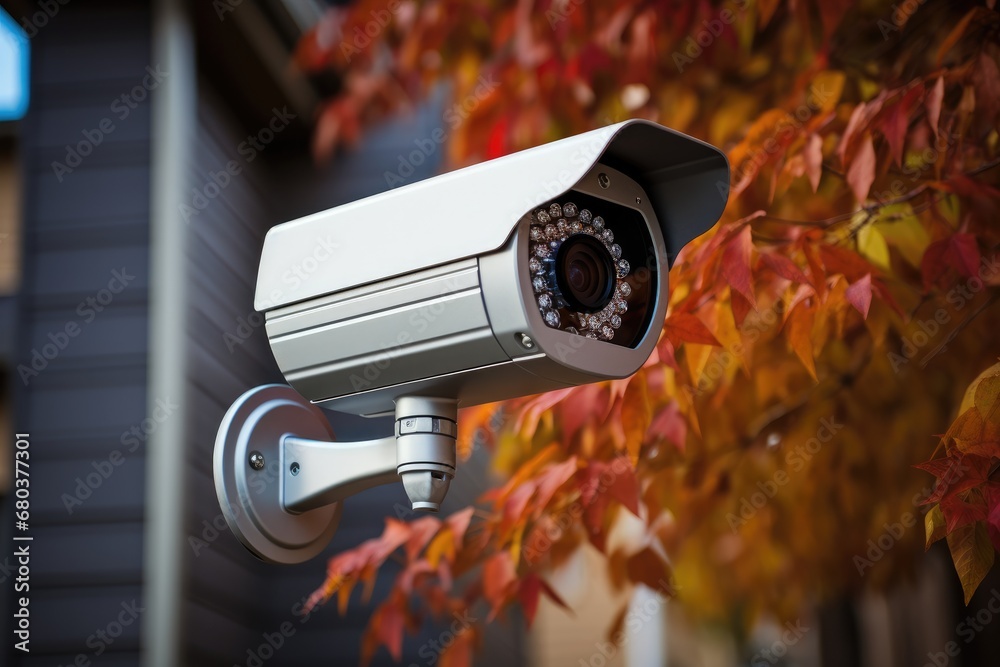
(813,154)
(859,295)
(934,526)
(687,328)
(934,100)
(800,325)
(499,580)
(972,552)
(736,264)
(636,415)
(861,172)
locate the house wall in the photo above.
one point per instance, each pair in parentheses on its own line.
(86,558)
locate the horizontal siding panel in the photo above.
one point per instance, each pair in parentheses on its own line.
(63,620)
(65,125)
(60,412)
(118,497)
(79,274)
(108,554)
(116,332)
(91,193)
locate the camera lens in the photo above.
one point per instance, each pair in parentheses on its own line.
(585,273)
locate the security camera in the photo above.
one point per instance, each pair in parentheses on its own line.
(537,271)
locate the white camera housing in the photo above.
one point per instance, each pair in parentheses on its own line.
(426,290)
(499,280)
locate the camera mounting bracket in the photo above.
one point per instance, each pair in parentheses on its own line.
(280,474)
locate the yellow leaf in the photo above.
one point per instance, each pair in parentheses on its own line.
(972,552)
(826,90)
(872,245)
(900,227)
(934,526)
(442,546)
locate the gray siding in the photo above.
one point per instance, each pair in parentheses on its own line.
(85,564)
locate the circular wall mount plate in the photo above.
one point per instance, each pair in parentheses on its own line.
(250,491)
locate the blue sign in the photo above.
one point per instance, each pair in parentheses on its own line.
(13,69)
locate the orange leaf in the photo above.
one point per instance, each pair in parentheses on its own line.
(687,328)
(636,414)
(459,652)
(800,325)
(954,36)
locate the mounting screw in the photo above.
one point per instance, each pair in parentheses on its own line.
(256,460)
(526,341)
(603,180)
(638,200)
(294,468)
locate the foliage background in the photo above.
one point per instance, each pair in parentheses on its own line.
(822,342)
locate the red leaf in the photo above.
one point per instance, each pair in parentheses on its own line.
(687,328)
(527,594)
(736,264)
(964,254)
(784,267)
(861,173)
(670,424)
(388,625)
(813,154)
(859,295)
(554,477)
(625,487)
(958,513)
(993,525)
(897,122)
(421,531)
(459,523)
(740,307)
(499,578)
